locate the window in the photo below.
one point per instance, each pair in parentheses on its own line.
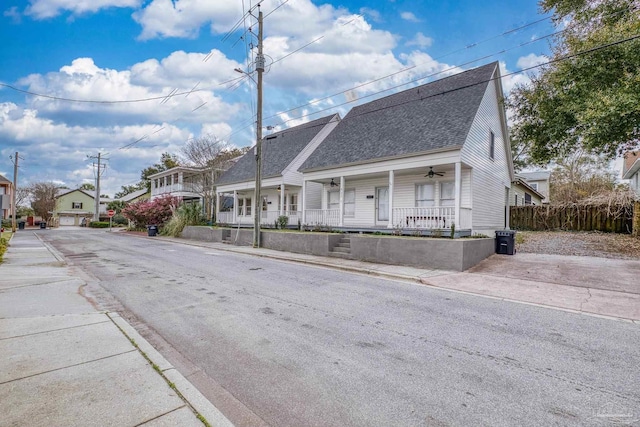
(76,205)
(333,201)
(293,203)
(527,198)
(516,203)
(534,185)
(425,195)
(247,207)
(492,145)
(447,194)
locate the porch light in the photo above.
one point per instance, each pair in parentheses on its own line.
(333,184)
(278,188)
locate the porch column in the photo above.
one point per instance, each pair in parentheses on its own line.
(303,201)
(217,206)
(282,200)
(287,200)
(341,210)
(458,186)
(391,183)
(235,206)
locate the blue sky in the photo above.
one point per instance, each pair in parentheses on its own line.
(123,50)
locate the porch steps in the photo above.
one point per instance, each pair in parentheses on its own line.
(343,248)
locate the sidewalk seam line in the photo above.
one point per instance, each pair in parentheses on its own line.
(155,367)
(68,366)
(38,284)
(159,416)
(54,330)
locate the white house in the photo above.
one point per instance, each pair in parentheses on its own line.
(539,181)
(282,154)
(424,159)
(631,170)
(524,194)
(182,182)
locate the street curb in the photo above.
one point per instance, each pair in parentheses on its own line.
(204,410)
(57,255)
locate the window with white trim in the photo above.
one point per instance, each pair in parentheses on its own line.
(425,195)
(240,206)
(333,201)
(247,206)
(534,185)
(447,193)
(293,203)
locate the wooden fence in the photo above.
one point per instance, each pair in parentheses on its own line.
(617,219)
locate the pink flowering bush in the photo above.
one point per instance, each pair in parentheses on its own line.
(147,212)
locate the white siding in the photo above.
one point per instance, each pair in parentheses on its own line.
(490,176)
(314,195)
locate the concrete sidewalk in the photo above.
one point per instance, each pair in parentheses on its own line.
(546,280)
(64,363)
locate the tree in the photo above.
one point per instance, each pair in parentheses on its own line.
(22,195)
(588,97)
(580,176)
(151,212)
(116,205)
(212,156)
(167,161)
(43,199)
(128,189)
(87,186)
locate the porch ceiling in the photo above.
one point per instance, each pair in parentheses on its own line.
(448,170)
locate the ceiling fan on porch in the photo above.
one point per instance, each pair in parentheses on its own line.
(431,173)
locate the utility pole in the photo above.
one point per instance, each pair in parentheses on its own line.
(258,198)
(96,214)
(14,209)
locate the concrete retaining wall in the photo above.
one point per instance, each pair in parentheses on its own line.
(443,254)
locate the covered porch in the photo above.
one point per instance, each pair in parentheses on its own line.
(427,198)
(278,199)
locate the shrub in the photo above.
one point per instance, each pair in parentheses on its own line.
(282,222)
(187,214)
(99,224)
(4,243)
(119,220)
(147,212)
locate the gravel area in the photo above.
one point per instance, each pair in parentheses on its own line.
(594,244)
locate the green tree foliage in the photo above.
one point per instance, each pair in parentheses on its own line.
(87,186)
(588,97)
(167,161)
(117,205)
(128,189)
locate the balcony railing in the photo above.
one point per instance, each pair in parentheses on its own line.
(225,217)
(323,217)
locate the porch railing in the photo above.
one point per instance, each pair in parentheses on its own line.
(270,217)
(426,218)
(225,217)
(323,217)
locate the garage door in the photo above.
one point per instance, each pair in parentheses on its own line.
(67,220)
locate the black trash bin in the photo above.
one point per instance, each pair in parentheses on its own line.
(43,225)
(21,225)
(506,242)
(152,230)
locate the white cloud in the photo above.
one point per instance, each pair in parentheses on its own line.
(180,72)
(409,16)
(375,15)
(14,14)
(43,9)
(531,60)
(509,82)
(420,40)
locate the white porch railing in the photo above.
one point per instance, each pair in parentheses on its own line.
(426,218)
(323,217)
(225,217)
(270,217)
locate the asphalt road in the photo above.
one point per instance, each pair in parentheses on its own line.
(284,344)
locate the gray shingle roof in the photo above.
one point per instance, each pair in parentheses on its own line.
(278,151)
(425,118)
(534,176)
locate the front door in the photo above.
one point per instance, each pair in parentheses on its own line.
(382,205)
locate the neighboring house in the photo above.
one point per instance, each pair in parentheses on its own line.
(422,159)
(539,181)
(6,193)
(281,184)
(136,196)
(631,170)
(182,182)
(74,205)
(523,194)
